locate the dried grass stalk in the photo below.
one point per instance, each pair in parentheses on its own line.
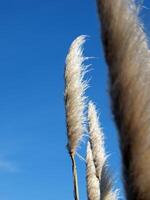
(75,101)
(93,189)
(128,57)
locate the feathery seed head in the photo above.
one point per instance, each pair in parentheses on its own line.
(106,185)
(128,57)
(99,156)
(113,195)
(96,139)
(93,189)
(74,93)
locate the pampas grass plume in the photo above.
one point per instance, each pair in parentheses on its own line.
(128,57)
(93,189)
(74,93)
(99,156)
(96,139)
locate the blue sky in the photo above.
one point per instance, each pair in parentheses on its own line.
(34,40)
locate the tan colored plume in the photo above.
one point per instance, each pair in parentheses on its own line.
(75,87)
(96,139)
(93,189)
(74,93)
(99,155)
(128,57)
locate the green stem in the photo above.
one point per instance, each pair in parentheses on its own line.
(75,177)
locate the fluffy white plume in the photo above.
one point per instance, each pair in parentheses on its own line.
(99,155)
(93,189)
(96,139)
(74,93)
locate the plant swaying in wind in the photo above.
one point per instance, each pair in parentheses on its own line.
(98,181)
(128,57)
(75,88)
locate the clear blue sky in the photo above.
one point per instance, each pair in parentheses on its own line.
(34,39)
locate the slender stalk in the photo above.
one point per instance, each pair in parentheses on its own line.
(75,87)
(75,177)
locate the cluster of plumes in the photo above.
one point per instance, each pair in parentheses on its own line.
(99,185)
(74,93)
(99,182)
(128,57)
